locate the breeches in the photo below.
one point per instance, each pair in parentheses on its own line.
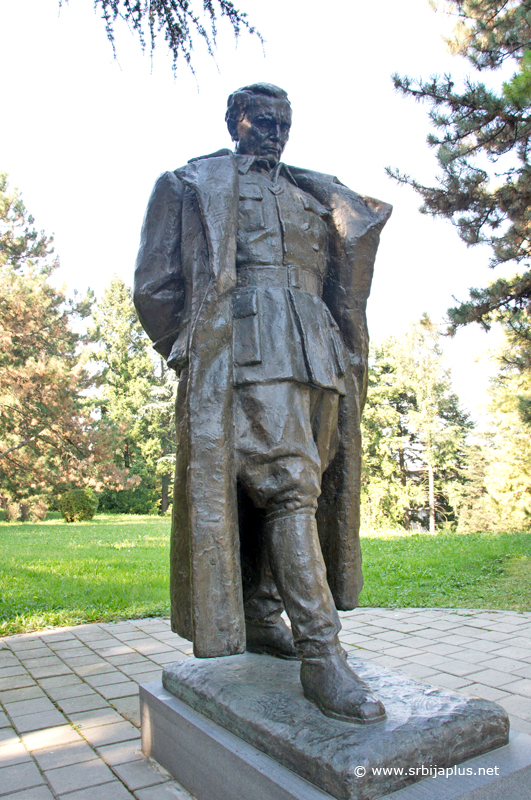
(286,435)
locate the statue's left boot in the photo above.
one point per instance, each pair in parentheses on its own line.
(300,574)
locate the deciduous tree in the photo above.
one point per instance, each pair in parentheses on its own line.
(48,438)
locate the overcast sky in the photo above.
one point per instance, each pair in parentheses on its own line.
(84,136)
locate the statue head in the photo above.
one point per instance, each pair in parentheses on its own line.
(259,120)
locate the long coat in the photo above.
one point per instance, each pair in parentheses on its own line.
(184,281)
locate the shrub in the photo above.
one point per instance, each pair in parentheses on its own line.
(38,510)
(78,505)
(12,511)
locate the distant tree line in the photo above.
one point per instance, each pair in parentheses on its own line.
(86,403)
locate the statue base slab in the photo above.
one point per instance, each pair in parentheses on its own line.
(233,727)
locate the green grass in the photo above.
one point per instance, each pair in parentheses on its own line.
(116,567)
(54,573)
(480,570)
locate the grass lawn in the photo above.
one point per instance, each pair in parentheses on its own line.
(116,567)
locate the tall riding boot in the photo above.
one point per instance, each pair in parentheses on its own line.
(300,574)
(266,631)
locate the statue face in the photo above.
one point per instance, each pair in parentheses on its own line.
(264,130)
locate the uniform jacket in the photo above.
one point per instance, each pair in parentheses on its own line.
(184,284)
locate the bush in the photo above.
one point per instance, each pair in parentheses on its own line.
(38,510)
(78,505)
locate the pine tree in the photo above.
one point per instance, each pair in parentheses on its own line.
(483,149)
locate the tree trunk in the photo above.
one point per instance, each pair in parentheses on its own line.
(164,503)
(431,497)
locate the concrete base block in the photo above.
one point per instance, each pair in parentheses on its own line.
(214,764)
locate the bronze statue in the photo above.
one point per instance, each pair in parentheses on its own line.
(252,280)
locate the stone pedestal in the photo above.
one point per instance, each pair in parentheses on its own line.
(269,736)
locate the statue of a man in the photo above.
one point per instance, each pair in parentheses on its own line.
(252,280)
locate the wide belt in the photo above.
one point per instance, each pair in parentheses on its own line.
(270,276)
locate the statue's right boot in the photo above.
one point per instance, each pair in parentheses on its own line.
(266,632)
(300,574)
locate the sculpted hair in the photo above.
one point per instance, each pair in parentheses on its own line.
(240,100)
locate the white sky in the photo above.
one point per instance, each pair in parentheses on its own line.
(84,136)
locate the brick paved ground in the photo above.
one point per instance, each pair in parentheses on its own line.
(69,721)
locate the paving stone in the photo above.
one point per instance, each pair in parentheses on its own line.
(385,661)
(4,722)
(418,671)
(64,756)
(150,648)
(91,719)
(486,692)
(459,668)
(38,722)
(448,681)
(128,707)
(442,649)
(400,651)
(69,644)
(16,682)
(37,793)
(51,737)
(14,753)
(166,791)
(19,776)
(71,705)
(167,658)
(22,707)
(143,666)
(63,636)
(428,659)
(117,650)
(130,636)
(25,646)
(148,677)
(105,643)
(61,681)
(8,672)
(504,664)
(105,791)
(510,651)
(29,693)
(76,690)
(134,658)
(82,660)
(118,690)
(492,677)
(79,776)
(517,705)
(520,725)
(43,661)
(139,774)
(456,639)
(122,752)
(109,734)
(519,687)
(8,736)
(50,671)
(107,678)
(89,670)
